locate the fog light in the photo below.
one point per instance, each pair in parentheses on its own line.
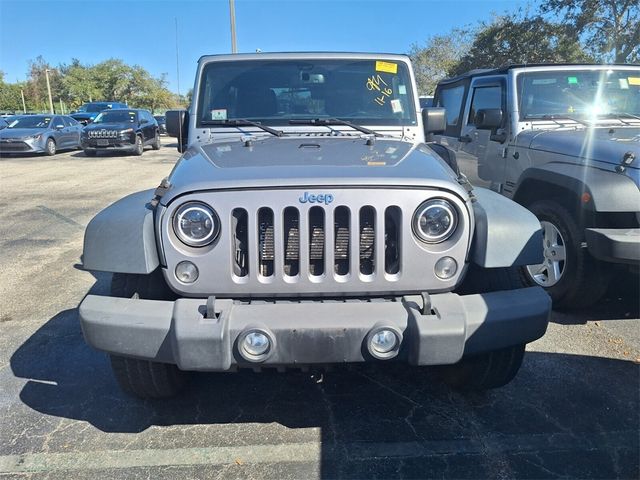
(186,272)
(383,341)
(446,268)
(256,344)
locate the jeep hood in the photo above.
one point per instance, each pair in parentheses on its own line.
(600,144)
(309,161)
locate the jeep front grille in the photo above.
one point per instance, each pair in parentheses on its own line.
(274,244)
(348,242)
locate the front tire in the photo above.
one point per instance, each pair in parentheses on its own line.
(147,380)
(139,147)
(570,275)
(50,147)
(143,378)
(484,371)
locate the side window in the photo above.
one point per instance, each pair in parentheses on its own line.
(483,98)
(71,121)
(451,98)
(57,121)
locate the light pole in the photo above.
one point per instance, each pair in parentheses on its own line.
(24,105)
(232,13)
(46,74)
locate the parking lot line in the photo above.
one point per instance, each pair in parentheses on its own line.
(314,452)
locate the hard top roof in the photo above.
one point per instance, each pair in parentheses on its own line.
(478,72)
(303,56)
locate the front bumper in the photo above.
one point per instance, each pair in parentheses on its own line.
(614,245)
(306,333)
(117,144)
(22,146)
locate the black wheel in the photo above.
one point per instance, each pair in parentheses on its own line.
(571,276)
(144,378)
(156,142)
(150,287)
(139,148)
(485,371)
(50,147)
(485,280)
(89,153)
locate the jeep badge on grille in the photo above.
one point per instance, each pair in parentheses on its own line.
(325,198)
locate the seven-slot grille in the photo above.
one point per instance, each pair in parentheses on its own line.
(103,133)
(338,241)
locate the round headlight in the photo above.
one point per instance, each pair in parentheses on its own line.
(435,221)
(196,224)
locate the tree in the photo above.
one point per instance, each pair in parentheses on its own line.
(610,28)
(10,98)
(511,39)
(437,58)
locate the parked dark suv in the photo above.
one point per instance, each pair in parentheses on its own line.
(128,130)
(89,111)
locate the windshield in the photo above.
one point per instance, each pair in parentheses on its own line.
(93,107)
(30,122)
(579,93)
(276,91)
(117,116)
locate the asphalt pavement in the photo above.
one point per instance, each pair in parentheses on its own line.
(572,411)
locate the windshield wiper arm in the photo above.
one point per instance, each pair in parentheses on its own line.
(555,118)
(333,121)
(243,122)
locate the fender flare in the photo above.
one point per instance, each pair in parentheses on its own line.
(608,191)
(506,234)
(121,238)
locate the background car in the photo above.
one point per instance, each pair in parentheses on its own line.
(40,134)
(128,130)
(89,111)
(162,123)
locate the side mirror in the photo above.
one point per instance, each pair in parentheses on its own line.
(143,121)
(177,124)
(434,120)
(488,119)
(59,127)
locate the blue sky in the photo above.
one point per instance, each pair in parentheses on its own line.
(143,31)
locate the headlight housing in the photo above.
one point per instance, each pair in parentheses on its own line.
(34,137)
(435,221)
(196,224)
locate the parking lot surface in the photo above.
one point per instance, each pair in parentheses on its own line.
(573,410)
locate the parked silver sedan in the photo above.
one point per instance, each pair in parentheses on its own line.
(40,134)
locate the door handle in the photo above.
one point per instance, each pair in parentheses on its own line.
(465,139)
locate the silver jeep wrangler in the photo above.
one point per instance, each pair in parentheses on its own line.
(564,141)
(307,223)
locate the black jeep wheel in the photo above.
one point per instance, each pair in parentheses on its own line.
(485,371)
(571,276)
(156,142)
(485,280)
(144,378)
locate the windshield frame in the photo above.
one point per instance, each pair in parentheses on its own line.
(404,94)
(577,116)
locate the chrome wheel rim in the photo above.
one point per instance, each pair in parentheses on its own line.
(550,271)
(51,147)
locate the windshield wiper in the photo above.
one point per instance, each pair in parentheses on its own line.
(243,122)
(325,122)
(555,118)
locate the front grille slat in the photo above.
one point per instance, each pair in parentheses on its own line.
(296,244)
